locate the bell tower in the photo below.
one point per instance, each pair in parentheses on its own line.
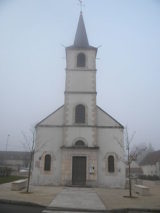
(80,87)
(80,112)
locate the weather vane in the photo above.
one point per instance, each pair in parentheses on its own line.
(81,4)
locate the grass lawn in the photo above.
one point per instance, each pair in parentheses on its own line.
(10,179)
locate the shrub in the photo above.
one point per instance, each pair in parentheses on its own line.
(5,171)
(149,177)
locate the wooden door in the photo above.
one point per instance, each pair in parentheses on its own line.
(78,170)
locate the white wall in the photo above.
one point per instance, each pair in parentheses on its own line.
(104,119)
(55,118)
(86,134)
(89,101)
(158,168)
(81,81)
(108,141)
(71,58)
(151,169)
(48,141)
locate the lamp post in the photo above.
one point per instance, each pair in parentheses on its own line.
(7,141)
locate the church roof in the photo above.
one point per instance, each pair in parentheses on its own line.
(113,119)
(81,39)
(55,119)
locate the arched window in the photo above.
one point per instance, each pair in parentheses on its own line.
(81,60)
(47,163)
(79,143)
(80,114)
(110,163)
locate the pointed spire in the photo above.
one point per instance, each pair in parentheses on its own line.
(81,39)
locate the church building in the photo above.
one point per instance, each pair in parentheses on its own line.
(79,143)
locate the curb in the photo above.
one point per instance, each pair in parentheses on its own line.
(74,209)
(22,203)
(59,209)
(121,210)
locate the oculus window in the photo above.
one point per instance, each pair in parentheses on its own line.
(79,143)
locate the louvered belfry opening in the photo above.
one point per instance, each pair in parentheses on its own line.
(81,60)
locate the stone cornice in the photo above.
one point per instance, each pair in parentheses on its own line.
(82,126)
(79,92)
(80,147)
(81,70)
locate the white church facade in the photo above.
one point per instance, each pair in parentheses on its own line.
(79,143)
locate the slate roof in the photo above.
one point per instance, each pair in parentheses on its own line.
(151,158)
(39,123)
(110,117)
(81,39)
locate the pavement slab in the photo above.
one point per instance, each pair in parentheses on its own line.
(77,198)
(111,198)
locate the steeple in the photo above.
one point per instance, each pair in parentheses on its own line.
(81,39)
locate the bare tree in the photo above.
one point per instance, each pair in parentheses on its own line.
(29,143)
(130,156)
(143,149)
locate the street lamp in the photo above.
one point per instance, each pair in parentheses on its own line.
(7,141)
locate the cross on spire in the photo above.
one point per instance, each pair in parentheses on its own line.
(81,5)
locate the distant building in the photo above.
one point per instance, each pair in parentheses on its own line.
(135,170)
(79,143)
(14,160)
(151,164)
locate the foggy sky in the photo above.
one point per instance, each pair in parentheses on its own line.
(32,63)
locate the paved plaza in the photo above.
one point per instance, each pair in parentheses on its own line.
(82,198)
(78,198)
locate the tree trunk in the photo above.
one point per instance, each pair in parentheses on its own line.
(130,183)
(29,172)
(129,171)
